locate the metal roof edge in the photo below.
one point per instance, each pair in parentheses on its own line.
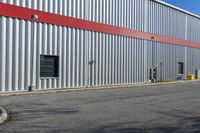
(177,8)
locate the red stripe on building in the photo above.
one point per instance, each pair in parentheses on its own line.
(8,10)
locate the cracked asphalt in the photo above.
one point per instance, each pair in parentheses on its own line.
(150,109)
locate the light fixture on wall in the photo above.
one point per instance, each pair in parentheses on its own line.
(34,17)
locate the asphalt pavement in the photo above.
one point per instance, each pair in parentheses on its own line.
(149,109)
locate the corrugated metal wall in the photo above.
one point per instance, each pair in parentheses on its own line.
(167,21)
(114,56)
(116,59)
(21,55)
(165,57)
(115,12)
(193,28)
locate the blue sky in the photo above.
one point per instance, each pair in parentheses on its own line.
(189,5)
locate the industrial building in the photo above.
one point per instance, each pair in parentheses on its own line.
(48,44)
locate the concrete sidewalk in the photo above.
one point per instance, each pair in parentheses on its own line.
(64,90)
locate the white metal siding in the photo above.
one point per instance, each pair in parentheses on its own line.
(124,13)
(193,29)
(114,57)
(117,59)
(166,21)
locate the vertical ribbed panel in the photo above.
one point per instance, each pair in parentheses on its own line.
(73,8)
(165,21)
(193,29)
(21,49)
(115,12)
(114,60)
(170,22)
(2,53)
(121,13)
(165,58)
(193,61)
(69,45)
(90,58)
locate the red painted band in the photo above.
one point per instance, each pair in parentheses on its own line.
(8,10)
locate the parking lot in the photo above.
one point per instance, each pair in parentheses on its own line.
(150,109)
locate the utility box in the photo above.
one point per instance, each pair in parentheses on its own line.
(197,73)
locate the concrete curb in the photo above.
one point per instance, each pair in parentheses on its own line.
(65,90)
(4,115)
